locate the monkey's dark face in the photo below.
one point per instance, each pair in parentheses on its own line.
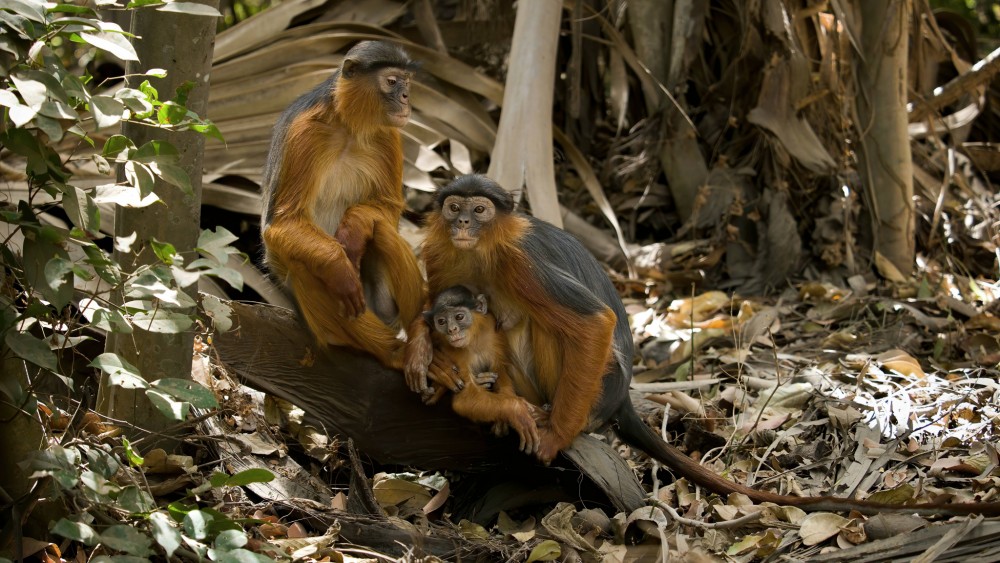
(454,323)
(467,217)
(394,85)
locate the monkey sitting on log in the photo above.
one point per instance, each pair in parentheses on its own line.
(465,330)
(567,332)
(333,196)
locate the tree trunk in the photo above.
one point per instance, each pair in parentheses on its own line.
(181,44)
(522,155)
(884,158)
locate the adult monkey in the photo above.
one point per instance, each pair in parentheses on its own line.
(568,333)
(333,195)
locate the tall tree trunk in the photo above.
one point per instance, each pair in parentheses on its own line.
(181,44)
(885,161)
(522,155)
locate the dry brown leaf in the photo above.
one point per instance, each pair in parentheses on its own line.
(901,362)
(821,526)
(887,269)
(401,493)
(438,500)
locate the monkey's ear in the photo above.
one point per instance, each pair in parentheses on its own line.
(429,318)
(348,68)
(481,304)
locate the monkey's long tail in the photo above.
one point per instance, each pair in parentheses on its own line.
(631,429)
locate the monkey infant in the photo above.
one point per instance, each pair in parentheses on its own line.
(467,332)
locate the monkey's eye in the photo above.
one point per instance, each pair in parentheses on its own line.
(441,321)
(454,208)
(460,317)
(391,81)
(480,209)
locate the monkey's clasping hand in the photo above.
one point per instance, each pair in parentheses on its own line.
(345,284)
(419,352)
(445,373)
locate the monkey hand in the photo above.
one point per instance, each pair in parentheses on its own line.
(540,414)
(485,379)
(419,352)
(549,445)
(432,394)
(345,285)
(524,424)
(445,373)
(354,245)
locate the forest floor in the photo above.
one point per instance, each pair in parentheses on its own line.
(889,395)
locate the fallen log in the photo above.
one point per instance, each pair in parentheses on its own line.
(349,394)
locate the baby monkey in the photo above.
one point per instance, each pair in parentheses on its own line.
(466,333)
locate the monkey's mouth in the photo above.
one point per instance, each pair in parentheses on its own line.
(464,242)
(458,341)
(400,119)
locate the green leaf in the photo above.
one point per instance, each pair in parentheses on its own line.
(71,9)
(119,371)
(548,550)
(196,524)
(164,251)
(82,210)
(171,113)
(245,477)
(128,539)
(218,479)
(164,533)
(76,531)
(111,40)
(125,196)
(34,11)
(22,115)
(208,129)
(101,461)
(135,500)
(97,484)
(33,91)
(216,244)
(182,92)
(136,101)
(168,407)
(156,151)
(190,8)
(107,319)
(140,176)
(32,349)
(107,111)
(157,72)
(58,110)
(54,283)
(150,92)
(52,128)
(117,147)
(184,278)
(133,456)
(228,540)
(167,322)
(173,174)
(187,390)
(219,312)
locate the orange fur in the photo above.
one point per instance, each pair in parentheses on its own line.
(340,183)
(554,360)
(487,352)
